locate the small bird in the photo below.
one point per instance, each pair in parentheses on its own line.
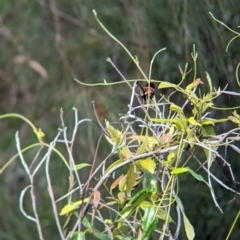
(148,91)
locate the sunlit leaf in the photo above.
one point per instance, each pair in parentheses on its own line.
(180,170)
(206,106)
(180,123)
(193,122)
(145,138)
(234,119)
(82,165)
(170,159)
(235,114)
(167,85)
(176,108)
(124,153)
(207,122)
(218,120)
(194,84)
(162,120)
(72,206)
(108,221)
(147,164)
(40,134)
(115,135)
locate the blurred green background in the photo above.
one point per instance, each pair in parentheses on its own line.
(46,43)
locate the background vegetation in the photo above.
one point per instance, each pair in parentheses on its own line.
(45,44)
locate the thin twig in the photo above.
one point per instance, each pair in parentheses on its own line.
(50,190)
(31,186)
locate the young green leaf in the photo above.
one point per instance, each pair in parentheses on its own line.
(82,165)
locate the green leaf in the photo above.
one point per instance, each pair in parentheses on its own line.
(207,122)
(142,147)
(134,202)
(100,235)
(234,119)
(82,165)
(193,122)
(170,159)
(187,225)
(132,176)
(209,83)
(216,120)
(145,138)
(177,171)
(124,153)
(206,106)
(95,232)
(194,84)
(149,222)
(160,212)
(176,108)
(208,130)
(78,236)
(180,123)
(197,176)
(87,224)
(115,135)
(162,120)
(150,183)
(121,228)
(167,85)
